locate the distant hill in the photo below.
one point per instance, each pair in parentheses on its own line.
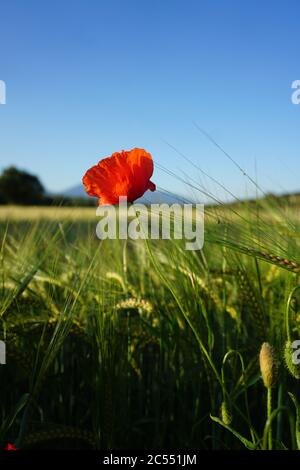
(157,197)
(75,191)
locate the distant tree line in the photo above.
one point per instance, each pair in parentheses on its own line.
(22,188)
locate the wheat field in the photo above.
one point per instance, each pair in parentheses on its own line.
(122,344)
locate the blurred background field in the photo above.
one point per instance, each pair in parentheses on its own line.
(30,213)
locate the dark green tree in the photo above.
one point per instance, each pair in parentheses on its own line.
(20,187)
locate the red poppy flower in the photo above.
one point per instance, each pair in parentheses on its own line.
(10,447)
(124,174)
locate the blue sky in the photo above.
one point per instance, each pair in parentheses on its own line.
(86,78)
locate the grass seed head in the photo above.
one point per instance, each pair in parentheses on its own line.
(293,368)
(268,365)
(226,413)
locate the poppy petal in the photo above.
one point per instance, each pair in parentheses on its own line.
(141,164)
(124,174)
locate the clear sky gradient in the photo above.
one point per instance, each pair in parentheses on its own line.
(86,78)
